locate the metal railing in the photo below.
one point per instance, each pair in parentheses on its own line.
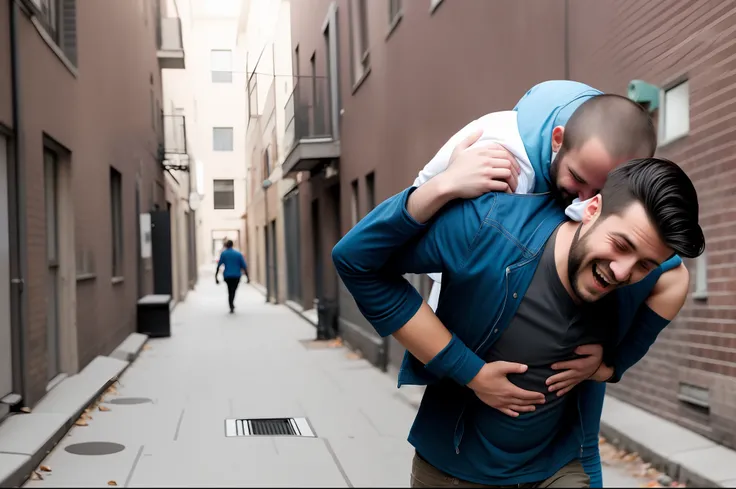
(307,111)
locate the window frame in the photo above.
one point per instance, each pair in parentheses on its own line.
(219,75)
(662,136)
(232,139)
(116,223)
(215,192)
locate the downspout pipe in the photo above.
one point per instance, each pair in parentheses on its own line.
(19,258)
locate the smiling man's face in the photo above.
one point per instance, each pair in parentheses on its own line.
(613,251)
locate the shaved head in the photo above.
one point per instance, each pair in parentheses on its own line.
(623,126)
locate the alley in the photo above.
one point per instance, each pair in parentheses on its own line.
(167,412)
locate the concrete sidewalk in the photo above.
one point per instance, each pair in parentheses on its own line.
(169,409)
(163,424)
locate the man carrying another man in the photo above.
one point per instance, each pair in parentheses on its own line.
(522,289)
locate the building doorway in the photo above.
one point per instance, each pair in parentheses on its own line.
(51,198)
(6,344)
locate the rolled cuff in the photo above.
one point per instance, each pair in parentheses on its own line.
(456,361)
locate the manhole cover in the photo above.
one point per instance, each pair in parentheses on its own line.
(95,448)
(129,400)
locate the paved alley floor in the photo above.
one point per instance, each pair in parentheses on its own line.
(164,421)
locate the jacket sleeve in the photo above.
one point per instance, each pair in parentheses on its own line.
(640,337)
(373,256)
(590,404)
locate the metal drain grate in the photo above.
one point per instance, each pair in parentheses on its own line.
(268,427)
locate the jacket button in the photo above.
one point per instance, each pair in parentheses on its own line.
(516,295)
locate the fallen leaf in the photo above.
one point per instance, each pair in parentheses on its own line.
(146,347)
(112,483)
(45,468)
(104,408)
(81,422)
(25,409)
(35,476)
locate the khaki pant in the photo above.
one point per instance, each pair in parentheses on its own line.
(425,475)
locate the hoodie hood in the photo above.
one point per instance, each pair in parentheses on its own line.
(544,107)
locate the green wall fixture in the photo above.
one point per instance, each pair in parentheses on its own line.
(644,93)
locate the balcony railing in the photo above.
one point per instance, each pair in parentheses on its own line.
(308,111)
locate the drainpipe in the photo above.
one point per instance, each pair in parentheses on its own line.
(567,39)
(19,259)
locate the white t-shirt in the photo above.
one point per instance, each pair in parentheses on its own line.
(500,128)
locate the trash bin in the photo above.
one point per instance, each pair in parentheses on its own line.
(326,319)
(154,315)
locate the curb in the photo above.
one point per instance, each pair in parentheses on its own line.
(672,449)
(299,311)
(39,431)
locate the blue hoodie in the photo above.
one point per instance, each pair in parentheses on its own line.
(544,107)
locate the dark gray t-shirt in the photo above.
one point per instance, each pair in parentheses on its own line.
(546,329)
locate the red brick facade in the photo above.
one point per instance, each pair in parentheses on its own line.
(663,42)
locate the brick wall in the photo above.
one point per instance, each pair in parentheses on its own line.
(662,42)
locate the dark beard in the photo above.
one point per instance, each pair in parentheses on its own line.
(575,261)
(562,197)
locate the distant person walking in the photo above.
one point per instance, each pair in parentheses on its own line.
(234,264)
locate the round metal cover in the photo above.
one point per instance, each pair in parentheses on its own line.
(95,448)
(129,400)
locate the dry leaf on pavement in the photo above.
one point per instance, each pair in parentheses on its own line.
(336,343)
(36,476)
(45,468)
(104,408)
(146,347)
(112,483)
(81,422)
(25,409)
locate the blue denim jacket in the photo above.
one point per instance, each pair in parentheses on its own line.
(487,249)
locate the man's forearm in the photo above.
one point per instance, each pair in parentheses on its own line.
(428,199)
(443,354)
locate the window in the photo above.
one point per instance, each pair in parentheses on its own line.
(360,55)
(59,19)
(674,113)
(223,194)
(222,138)
(50,16)
(266,164)
(153,111)
(222,66)
(296,61)
(370,191)
(354,203)
(51,200)
(394,11)
(701,277)
(116,218)
(433,4)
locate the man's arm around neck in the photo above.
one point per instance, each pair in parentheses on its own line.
(372,258)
